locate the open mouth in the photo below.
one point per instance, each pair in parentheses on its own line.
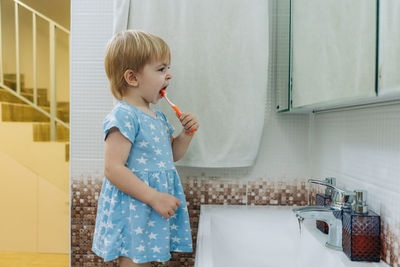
(163,89)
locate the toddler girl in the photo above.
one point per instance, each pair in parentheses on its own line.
(142,212)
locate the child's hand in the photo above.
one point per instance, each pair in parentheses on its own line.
(165,204)
(189,122)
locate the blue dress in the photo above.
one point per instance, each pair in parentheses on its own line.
(126,226)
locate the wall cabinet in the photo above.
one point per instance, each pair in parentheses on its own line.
(342,53)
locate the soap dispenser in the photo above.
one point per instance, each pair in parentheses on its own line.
(361,230)
(325,200)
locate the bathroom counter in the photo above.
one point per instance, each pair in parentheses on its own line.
(263,236)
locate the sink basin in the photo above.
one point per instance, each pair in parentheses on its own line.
(263,236)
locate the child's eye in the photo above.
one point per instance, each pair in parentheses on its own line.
(163,69)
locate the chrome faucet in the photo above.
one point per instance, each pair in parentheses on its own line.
(328,215)
(341,199)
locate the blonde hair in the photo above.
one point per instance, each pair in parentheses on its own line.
(131,49)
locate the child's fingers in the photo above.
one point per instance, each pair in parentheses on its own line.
(188,118)
(186,121)
(190,125)
(185,116)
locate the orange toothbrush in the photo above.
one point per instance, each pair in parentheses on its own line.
(178,112)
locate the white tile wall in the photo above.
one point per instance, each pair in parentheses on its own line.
(91,27)
(361,148)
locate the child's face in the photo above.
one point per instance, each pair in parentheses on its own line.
(154,77)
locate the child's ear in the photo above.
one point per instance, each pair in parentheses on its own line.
(131,78)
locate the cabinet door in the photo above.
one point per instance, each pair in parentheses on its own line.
(333,51)
(389,47)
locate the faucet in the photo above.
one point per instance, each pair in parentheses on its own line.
(332,215)
(328,215)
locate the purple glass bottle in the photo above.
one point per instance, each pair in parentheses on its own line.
(361,231)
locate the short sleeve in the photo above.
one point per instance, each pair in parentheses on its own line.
(125,121)
(170,128)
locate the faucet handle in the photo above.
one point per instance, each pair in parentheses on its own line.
(340,198)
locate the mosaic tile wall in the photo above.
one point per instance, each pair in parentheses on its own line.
(198,191)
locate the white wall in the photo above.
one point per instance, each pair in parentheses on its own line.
(91,100)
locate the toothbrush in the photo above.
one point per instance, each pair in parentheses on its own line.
(177,111)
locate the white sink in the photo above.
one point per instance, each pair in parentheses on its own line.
(263,236)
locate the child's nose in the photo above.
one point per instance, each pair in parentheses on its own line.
(169,75)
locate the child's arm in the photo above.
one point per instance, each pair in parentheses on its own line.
(181,143)
(116,152)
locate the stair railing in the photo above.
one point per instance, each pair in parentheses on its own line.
(53,101)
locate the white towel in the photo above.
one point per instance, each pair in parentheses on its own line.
(219,67)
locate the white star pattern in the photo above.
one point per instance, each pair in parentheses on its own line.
(107,212)
(110,225)
(140,248)
(106,199)
(176,239)
(153,236)
(152,126)
(132,207)
(124,251)
(161,164)
(156,139)
(156,175)
(143,144)
(151,223)
(156,249)
(108,186)
(142,160)
(127,124)
(174,227)
(139,230)
(158,151)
